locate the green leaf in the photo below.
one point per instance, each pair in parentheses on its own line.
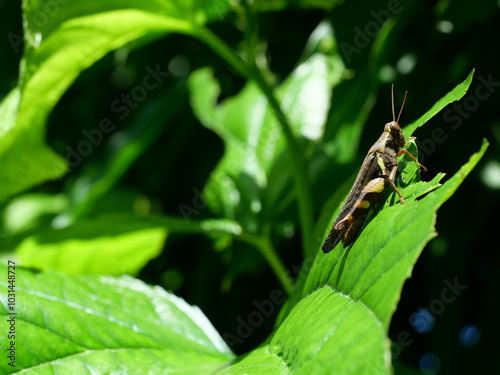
(77,324)
(27,211)
(456,94)
(61,41)
(327,332)
(107,245)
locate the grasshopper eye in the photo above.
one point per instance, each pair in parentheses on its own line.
(395,126)
(392,128)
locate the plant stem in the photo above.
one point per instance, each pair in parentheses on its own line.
(298,169)
(224,51)
(267,250)
(223,226)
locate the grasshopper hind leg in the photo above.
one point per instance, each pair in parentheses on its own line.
(332,240)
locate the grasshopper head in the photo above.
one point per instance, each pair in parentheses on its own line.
(393,127)
(395,131)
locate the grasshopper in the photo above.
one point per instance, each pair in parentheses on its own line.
(377,172)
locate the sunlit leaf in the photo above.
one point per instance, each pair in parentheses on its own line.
(62,39)
(70,325)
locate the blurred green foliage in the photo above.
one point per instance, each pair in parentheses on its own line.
(155,163)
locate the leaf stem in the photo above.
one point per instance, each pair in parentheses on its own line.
(298,169)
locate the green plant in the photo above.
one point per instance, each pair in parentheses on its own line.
(277,151)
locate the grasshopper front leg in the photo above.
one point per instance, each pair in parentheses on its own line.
(390,179)
(404,151)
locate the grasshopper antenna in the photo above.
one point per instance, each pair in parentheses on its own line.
(402,106)
(392,100)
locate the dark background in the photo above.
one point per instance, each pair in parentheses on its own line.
(466,250)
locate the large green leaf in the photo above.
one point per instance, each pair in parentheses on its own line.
(62,39)
(65,324)
(108,245)
(79,324)
(326,333)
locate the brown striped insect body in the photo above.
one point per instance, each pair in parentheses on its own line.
(377,172)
